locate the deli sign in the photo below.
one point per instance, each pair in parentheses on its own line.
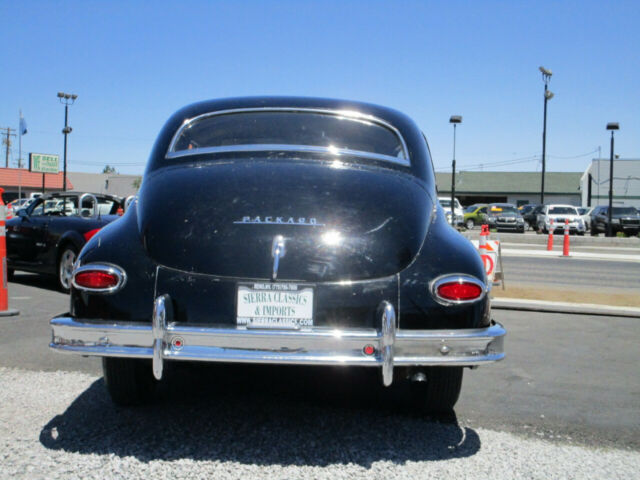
(44,163)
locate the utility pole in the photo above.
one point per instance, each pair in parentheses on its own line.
(7,142)
(548,95)
(454,120)
(66,99)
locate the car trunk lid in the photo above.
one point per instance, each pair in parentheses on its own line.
(337,221)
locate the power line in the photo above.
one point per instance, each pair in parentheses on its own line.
(574,156)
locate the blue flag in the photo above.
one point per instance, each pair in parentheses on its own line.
(23,126)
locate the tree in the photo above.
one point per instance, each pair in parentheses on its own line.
(109,169)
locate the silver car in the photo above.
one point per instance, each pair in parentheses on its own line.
(558,214)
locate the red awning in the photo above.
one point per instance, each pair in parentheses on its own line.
(10,178)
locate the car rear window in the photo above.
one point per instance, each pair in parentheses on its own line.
(291,131)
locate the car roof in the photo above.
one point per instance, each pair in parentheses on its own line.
(409,131)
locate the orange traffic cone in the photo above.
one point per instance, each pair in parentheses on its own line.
(565,244)
(5,311)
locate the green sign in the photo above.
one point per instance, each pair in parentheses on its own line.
(43,163)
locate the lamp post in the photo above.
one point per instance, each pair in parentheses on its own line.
(611,126)
(66,99)
(548,95)
(455,120)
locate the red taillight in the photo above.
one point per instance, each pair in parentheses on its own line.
(96,279)
(90,233)
(459,291)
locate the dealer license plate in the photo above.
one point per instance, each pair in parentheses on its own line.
(275,305)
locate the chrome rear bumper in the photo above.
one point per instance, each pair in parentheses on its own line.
(313,346)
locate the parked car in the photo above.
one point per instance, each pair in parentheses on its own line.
(473,215)
(560,213)
(531,216)
(17,204)
(46,236)
(623,219)
(302,227)
(445,202)
(585,215)
(505,217)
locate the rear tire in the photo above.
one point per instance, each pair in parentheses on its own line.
(66,260)
(129,381)
(470,224)
(11,274)
(440,392)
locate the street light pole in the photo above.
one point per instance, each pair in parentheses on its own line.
(455,120)
(548,95)
(66,99)
(611,126)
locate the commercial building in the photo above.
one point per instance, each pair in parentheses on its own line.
(21,181)
(594,184)
(518,188)
(108,183)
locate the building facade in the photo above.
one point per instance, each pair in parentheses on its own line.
(108,183)
(518,188)
(20,182)
(594,184)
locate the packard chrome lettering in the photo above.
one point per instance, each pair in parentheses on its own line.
(300,221)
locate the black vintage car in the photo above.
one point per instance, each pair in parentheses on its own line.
(46,236)
(307,231)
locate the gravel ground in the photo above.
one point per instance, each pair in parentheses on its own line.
(63,425)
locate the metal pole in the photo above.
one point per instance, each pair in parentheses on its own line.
(20,160)
(544,143)
(598,182)
(589,190)
(610,211)
(453,179)
(66,132)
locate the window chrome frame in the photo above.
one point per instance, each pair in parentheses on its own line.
(340,114)
(100,267)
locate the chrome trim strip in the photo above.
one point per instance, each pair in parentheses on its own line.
(267,147)
(278,251)
(101,267)
(344,114)
(455,278)
(311,346)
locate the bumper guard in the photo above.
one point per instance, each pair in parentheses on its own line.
(162,340)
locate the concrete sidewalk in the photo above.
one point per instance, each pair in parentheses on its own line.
(563,307)
(533,252)
(541,239)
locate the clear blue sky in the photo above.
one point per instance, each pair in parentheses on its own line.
(134,63)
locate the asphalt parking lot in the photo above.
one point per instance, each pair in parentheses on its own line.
(564,404)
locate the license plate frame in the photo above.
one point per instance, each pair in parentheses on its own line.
(272,305)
